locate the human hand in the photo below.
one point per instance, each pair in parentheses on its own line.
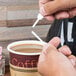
(56,62)
(58,9)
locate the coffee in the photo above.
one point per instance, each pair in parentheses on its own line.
(28,50)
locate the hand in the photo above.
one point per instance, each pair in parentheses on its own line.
(58,9)
(56,62)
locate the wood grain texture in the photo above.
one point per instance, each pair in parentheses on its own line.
(26,22)
(22,22)
(16,33)
(17,2)
(23,7)
(3,23)
(19,16)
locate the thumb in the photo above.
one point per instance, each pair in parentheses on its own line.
(52,44)
(46,50)
(50,8)
(55,41)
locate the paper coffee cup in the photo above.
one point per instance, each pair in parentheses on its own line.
(24,57)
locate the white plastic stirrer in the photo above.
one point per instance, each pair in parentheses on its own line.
(37,37)
(39,17)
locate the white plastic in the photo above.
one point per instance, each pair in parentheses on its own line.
(38,37)
(39,17)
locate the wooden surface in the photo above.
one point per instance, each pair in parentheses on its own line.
(19,13)
(17,2)
(18,33)
(26,22)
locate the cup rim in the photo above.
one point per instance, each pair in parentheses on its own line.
(24,42)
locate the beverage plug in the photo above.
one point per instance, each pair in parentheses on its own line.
(2,63)
(39,17)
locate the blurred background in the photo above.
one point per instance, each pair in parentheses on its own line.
(16,20)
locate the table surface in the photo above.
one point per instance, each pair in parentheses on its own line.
(7,72)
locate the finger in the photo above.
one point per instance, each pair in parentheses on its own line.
(72,58)
(49,8)
(65,50)
(42,2)
(55,41)
(50,18)
(72,12)
(62,15)
(54,6)
(46,49)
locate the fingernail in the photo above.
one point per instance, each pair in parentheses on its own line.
(55,41)
(42,11)
(66,16)
(73,61)
(67,49)
(45,47)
